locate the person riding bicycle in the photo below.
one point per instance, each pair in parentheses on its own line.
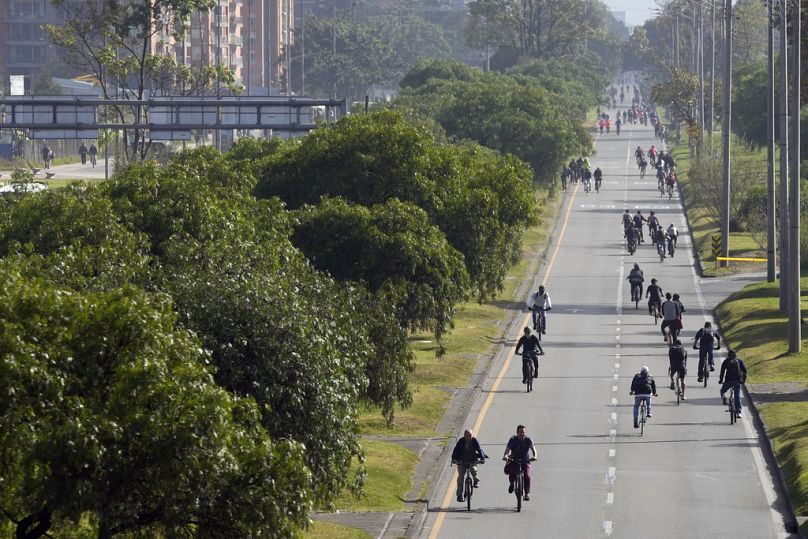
(466,453)
(566,175)
(643,167)
(653,223)
(661,241)
(639,154)
(670,312)
(677,358)
(531,349)
(655,292)
(642,387)
(652,154)
(93,153)
(636,278)
(632,239)
(638,220)
(539,302)
(587,176)
(618,123)
(598,174)
(706,338)
(627,223)
(733,374)
(672,233)
(519,447)
(670,179)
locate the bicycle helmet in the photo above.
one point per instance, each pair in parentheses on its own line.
(636,266)
(644,369)
(730,353)
(653,281)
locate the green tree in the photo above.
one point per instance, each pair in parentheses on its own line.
(110,412)
(412,38)
(749,103)
(113,40)
(392,249)
(361,58)
(680,93)
(382,156)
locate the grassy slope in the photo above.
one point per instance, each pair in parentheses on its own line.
(753,325)
(740,243)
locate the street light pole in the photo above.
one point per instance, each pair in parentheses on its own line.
(771,268)
(726,121)
(785,244)
(794,330)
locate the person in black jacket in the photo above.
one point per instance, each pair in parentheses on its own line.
(466,453)
(733,374)
(642,387)
(531,348)
(677,358)
(705,340)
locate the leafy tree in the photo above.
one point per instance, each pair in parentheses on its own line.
(542,29)
(113,40)
(680,93)
(392,249)
(446,70)
(636,50)
(110,411)
(749,103)
(749,33)
(362,58)
(412,38)
(381,156)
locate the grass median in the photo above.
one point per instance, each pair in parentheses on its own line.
(703,227)
(753,324)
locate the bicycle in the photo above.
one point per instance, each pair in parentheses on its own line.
(655,312)
(527,369)
(519,484)
(642,171)
(468,481)
(643,416)
(587,186)
(671,247)
(677,384)
(670,191)
(661,251)
(731,408)
(540,326)
(93,159)
(704,367)
(631,245)
(636,292)
(597,185)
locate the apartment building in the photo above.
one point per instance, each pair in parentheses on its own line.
(248,36)
(24,46)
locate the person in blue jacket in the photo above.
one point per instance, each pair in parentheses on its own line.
(466,453)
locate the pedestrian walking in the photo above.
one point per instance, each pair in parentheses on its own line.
(83,153)
(47,155)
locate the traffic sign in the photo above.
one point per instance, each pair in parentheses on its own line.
(716,239)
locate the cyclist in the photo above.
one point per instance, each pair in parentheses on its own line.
(638,220)
(631,239)
(673,234)
(704,341)
(653,223)
(677,358)
(660,176)
(93,153)
(636,278)
(678,323)
(652,154)
(573,166)
(519,447)
(540,303)
(531,349)
(642,387)
(639,154)
(587,180)
(626,222)
(661,241)
(619,122)
(643,167)
(670,179)
(466,453)
(598,174)
(733,374)
(670,312)
(655,292)
(566,175)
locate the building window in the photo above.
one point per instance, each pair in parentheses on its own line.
(26,8)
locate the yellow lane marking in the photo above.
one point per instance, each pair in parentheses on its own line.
(484,410)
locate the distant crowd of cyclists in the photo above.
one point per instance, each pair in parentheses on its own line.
(579,170)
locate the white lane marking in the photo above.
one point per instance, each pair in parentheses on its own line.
(614,401)
(609,498)
(612,434)
(617,366)
(614,417)
(614,388)
(612,453)
(616,377)
(617,356)
(607,528)
(617,337)
(617,329)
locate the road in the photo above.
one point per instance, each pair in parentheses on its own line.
(691,475)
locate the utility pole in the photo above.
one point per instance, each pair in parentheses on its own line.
(700,39)
(726,121)
(712,73)
(785,244)
(334,44)
(771,269)
(794,330)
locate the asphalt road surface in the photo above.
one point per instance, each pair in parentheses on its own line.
(692,474)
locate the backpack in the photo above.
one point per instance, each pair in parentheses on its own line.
(707,338)
(733,370)
(641,384)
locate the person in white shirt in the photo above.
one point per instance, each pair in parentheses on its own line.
(670,312)
(539,303)
(673,234)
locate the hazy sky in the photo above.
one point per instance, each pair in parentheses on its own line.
(637,11)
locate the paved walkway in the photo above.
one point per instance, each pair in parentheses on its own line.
(73,171)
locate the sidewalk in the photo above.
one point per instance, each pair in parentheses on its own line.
(73,171)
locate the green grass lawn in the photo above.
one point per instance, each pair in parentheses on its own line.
(741,244)
(389,467)
(327,530)
(754,326)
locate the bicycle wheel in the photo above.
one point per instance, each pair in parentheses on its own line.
(518,490)
(529,371)
(731,404)
(706,372)
(678,388)
(469,489)
(642,417)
